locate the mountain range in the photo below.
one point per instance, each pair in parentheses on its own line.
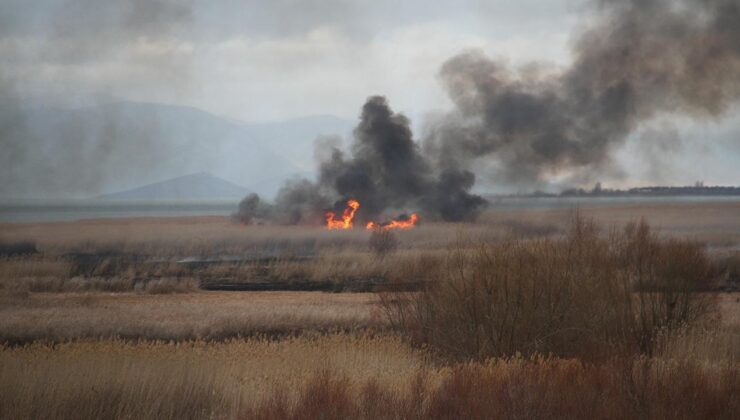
(200,186)
(94,150)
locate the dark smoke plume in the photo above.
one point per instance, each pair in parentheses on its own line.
(299,202)
(641,58)
(385,171)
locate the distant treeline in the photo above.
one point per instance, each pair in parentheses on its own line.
(654,191)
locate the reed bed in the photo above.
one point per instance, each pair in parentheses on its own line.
(193,380)
(181,317)
(343,376)
(203,236)
(522,315)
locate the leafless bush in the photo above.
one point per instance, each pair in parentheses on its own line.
(666,276)
(726,268)
(382,242)
(584,295)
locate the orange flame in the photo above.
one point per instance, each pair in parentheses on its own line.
(395,224)
(347,216)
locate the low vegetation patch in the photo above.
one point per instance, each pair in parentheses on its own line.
(508,318)
(583,295)
(521,388)
(342,376)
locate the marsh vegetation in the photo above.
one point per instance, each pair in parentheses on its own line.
(538,314)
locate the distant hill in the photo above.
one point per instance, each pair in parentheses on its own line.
(200,186)
(55,152)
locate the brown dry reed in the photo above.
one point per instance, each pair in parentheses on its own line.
(215,316)
(339,377)
(519,388)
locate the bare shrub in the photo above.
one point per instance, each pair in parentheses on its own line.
(517,296)
(382,242)
(726,268)
(666,276)
(583,295)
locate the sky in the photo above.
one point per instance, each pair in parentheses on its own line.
(258,60)
(273,60)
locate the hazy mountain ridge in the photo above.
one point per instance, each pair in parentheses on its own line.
(117,146)
(200,186)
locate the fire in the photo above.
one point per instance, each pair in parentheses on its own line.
(395,224)
(347,216)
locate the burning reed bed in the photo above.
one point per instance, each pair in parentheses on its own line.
(713,223)
(179,237)
(125,254)
(114,256)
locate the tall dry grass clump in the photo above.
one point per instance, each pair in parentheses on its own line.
(193,380)
(341,377)
(382,242)
(521,388)
(583,295)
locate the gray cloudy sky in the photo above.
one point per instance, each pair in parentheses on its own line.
(270,60)
(258,60)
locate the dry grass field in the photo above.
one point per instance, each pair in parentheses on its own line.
(199,379)
(204,315)
(60,317)
(127,254)
(341,376)
(717,223)
(524,314)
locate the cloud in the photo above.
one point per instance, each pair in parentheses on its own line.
(220,55)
